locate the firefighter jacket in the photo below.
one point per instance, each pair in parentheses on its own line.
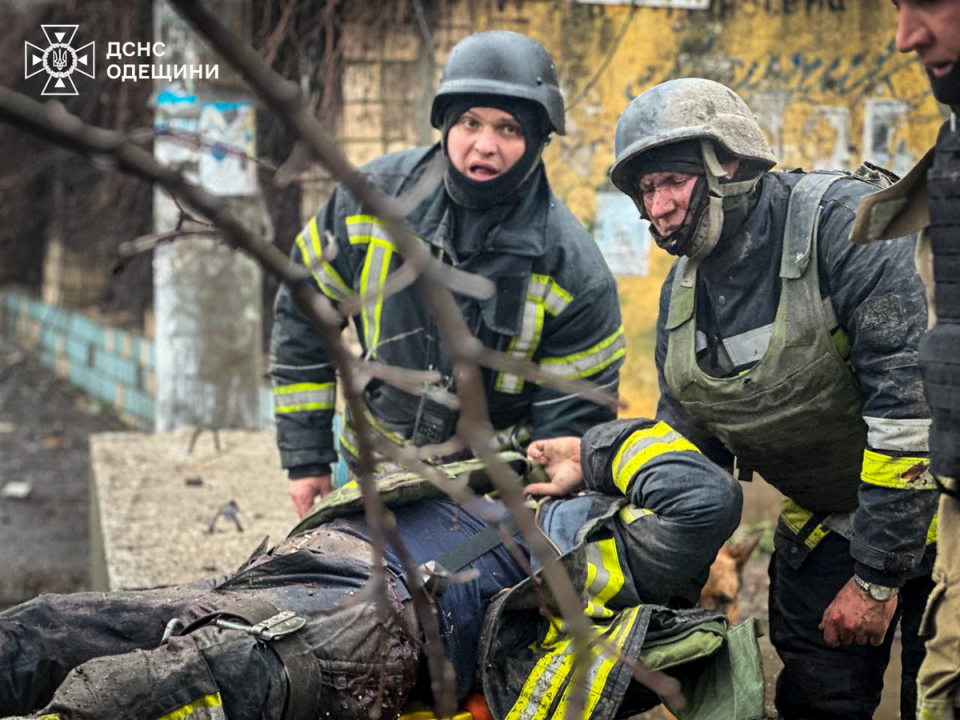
(555,304)
(796,351)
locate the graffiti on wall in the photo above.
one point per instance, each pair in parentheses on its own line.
(803,74)
(724,9)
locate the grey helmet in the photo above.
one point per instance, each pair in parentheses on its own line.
(704,111)
(686,109)
(501,63)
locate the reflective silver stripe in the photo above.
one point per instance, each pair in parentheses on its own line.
(590,361)
(524,344)
(554,297)
(544,295)
(641,447)
(311,251)
(902,435)
(750,346)
(372,279)
(303,397)
(367,228)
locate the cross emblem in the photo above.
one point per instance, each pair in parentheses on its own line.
(59,60)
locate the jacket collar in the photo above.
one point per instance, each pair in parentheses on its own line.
(522,232)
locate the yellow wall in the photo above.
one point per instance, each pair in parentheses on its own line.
(814,71)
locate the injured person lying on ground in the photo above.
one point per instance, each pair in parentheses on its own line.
(293,634)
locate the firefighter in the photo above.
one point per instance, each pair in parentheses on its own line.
(640,539)
(928,200)
(785,350)
(494,215)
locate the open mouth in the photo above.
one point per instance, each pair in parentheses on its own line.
(939,70)
(482,171)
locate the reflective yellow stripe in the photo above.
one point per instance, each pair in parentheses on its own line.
(631,513)
(600,673)
(932,530)
(206,708)
(841,342)
(303,397)
(544,296)
(604,576)
(348,435)
(523,345)
(590,361)
(902,473)
(546,289)
(796,518)
(600,665)
(363,229)
(371,231)
(327,278)
(555,665)
(643,446)
(376,265)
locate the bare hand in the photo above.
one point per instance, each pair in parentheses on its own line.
(855,617)
(560,458)
(304,490)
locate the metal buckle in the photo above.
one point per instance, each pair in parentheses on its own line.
(273,628)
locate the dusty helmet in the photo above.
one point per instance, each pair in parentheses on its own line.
(501,63)
(686,109)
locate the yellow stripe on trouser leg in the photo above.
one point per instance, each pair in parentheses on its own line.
(939,678)
(643,446)
(303,397)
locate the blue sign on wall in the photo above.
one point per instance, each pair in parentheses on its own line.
(623,236)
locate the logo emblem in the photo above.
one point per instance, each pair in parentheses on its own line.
(59,60)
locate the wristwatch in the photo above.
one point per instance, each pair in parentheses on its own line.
(880,593)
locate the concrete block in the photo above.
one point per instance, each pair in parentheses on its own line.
(362,121)
(361,82)
(360,153)
(402,44)
(401,81)
(150,527)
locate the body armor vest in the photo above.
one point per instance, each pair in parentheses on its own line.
(940,349)
(795,416)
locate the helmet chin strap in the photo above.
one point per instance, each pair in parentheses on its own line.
(707,233)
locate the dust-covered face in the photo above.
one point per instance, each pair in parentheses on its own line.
(484,143)
(666,198)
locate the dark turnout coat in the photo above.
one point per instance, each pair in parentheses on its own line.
(555,304)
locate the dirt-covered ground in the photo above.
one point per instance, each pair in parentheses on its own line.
(44,431)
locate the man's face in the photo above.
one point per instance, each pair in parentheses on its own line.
(666,197)
(931,28)
(484,143)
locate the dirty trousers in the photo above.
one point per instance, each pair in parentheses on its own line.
(939,679)
(819,682)
(95,656)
